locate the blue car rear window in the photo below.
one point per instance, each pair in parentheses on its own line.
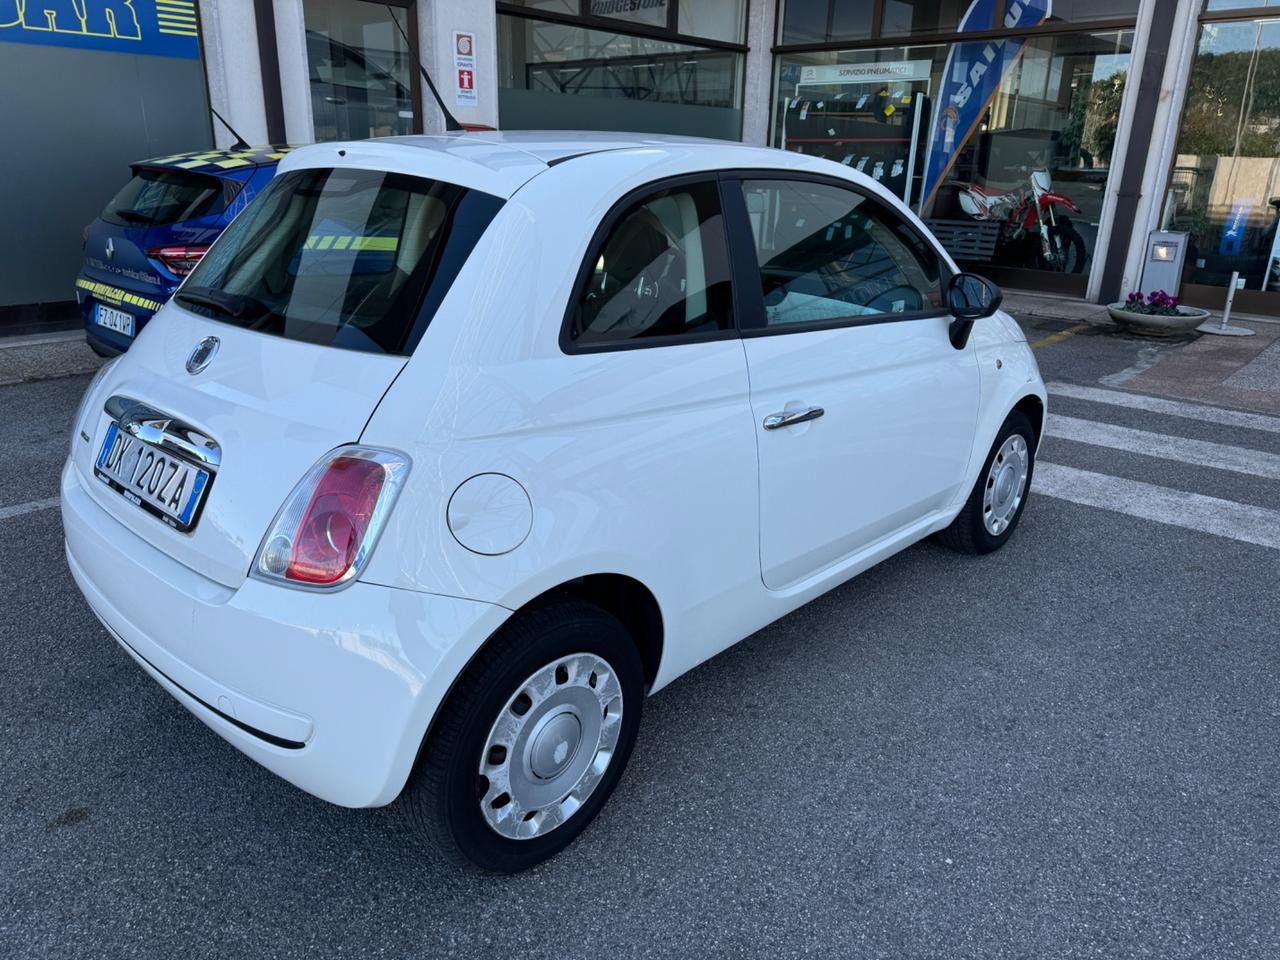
(158,197)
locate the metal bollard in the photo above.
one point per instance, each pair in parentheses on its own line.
(1223,329)
(1231,298)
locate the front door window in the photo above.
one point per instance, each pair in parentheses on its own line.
(828,254)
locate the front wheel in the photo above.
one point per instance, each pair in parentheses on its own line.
(532,740)
(1069,255)
(995,505)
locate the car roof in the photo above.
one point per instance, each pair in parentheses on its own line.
(219,161)
(500,162)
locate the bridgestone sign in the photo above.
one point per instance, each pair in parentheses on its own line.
(613,8)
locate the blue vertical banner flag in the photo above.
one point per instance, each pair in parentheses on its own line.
(974,72)
(1233,230)
(162,28)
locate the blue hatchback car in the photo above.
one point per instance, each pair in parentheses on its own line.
(155,231)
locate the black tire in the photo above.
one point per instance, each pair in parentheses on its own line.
(105,354)
(968,532)
(441,800)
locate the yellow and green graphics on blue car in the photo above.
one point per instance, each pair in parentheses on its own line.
(115,296)
(209,161)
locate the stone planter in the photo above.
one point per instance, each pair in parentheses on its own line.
(1184,321)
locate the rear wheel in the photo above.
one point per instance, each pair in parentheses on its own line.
(532,741)
(995,505)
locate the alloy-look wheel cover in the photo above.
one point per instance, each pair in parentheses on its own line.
(1006,484)
(552,742)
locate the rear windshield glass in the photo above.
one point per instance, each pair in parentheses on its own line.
(160,197)
(357,259)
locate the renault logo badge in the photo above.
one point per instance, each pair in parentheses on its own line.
(200,357)
(111,249)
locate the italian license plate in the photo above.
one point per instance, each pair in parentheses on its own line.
(113,319)
(153,478)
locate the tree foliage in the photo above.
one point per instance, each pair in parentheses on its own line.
(1219,97)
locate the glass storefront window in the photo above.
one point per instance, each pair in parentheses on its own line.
(1240,4)
(568,7)
(555,76)
(1026,155)
(651,13)
(1225,188)
(724,20)
(828,21)
(1082,11)
(925,16)
(817,21)
(361,70)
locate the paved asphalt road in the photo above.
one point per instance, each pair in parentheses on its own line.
(1067,749)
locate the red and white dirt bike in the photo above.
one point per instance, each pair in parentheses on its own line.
(1033,231)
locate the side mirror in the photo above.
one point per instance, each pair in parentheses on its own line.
(969,298)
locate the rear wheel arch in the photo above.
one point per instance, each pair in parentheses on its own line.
(623,597)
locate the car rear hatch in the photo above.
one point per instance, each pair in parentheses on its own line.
(272,406)
(161,206)
(316,296)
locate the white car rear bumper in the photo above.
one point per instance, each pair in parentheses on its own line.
(333,692)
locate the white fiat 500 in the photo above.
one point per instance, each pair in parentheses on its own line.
(454,448)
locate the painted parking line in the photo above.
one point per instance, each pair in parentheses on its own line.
(1172,408)
(1059,336)
(1191,511)
(31,506)
(1201,453)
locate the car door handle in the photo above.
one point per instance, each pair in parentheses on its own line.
(789,419)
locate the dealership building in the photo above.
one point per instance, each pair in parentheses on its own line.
(1125,130)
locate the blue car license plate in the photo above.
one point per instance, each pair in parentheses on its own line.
(113,319)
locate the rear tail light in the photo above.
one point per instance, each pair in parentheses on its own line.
(323,535)
(179,260)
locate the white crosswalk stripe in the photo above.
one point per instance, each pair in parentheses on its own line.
(1203,453)
(1192,511)
(1188,509)
(1172,408)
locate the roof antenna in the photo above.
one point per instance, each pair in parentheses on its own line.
(239,144)
(450,122)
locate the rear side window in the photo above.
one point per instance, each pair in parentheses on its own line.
(662,271)
(160,197)
(357,259)
(827,253)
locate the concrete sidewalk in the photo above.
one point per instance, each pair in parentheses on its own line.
(1046,306)
(1240,372)
(1029,305)
(45,356)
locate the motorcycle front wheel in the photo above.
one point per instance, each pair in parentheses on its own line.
(1069,245)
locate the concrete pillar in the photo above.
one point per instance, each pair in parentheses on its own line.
(1164,142)
(295,84)
(232,68)
(757,84)
(437,22)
